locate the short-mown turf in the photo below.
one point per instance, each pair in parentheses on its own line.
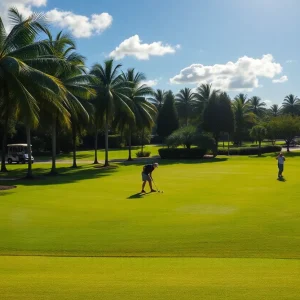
(225,208)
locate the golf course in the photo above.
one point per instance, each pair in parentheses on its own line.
(223,228)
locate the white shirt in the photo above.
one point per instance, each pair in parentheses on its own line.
(281,160)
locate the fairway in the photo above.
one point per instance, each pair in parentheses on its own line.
(222,227)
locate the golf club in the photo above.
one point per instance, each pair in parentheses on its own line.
(159,191)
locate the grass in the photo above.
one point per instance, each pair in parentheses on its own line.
(223,228)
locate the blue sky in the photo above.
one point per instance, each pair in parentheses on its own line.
(219,42)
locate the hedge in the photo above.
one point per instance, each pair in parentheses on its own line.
(249,150)
(181,153)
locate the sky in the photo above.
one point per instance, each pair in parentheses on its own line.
(238,46)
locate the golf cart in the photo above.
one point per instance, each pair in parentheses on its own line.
(18,153)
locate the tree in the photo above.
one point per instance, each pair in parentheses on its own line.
(144,112)
(182,136)
(257,107)
(218,116)
(291,105)
(185,102)
(203,94)
(258,133)
(243,117)
(112,93)
(158,98)
(287,127)
(167,120)
(274,110)
(22,82)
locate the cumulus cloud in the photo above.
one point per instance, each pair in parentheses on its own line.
(150,83)
(133,46)
(80,26)
(24,7)
(281,79)
(242,75)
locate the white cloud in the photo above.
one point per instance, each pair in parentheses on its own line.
(24,7)
(134,47)
(281,79)
(242,75)
(150,83)
(80,26)
(268,102)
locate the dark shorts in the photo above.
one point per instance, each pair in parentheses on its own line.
(145,177)
(280,167)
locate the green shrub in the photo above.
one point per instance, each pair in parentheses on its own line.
(143,154)
(249,150)
(115,141)
(181,153)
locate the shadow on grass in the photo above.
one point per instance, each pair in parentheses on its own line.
(136,196)
(165,162)
(65,175)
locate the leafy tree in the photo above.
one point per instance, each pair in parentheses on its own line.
(257,107)
(202,96)
(291,105)
(185,102)
(158,98)
(218,116)
(167,120)
(287,127)
(258,133)
(183,136)
(112,93)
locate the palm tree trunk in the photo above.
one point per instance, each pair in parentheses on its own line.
(74,135)
(106,164)
(96,145)
(143,140)
(4,142)
(53,168)
(29,169)
(129,146)
(259,149)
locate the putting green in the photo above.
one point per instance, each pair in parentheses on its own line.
(232,213)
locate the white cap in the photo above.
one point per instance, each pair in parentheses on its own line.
(155,165)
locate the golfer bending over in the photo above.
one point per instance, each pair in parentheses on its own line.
(281,160)
(147,176)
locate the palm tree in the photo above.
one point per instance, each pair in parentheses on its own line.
(21,81)
(275,110)
(112,93)
(158,98)
(185,101)
(202,96)
(257,107)
(77,86)
(144,112)
(243,116)
(291,105)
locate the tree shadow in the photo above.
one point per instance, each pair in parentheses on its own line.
(163,162)
(65,175)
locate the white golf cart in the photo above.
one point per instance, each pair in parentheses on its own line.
(18,153)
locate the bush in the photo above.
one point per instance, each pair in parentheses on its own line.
(183,136)
(249,150)
(115,141)
(143,154)
(181,153)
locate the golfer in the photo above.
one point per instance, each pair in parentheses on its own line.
(281,159)
(147,176)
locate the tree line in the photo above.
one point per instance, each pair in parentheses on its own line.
(45,85)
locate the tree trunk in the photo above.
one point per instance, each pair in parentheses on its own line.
(228,143)
(4,142)
(29,169)
(53,168)
(74,135)
(288,146)
(96,145)
(106,164)
(129,146)
(143,131)
(259,149)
